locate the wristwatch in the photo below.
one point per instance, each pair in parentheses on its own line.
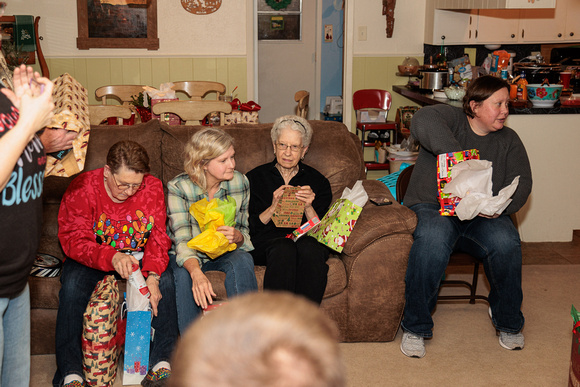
(154,275)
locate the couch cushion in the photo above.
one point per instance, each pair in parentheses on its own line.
(104,136)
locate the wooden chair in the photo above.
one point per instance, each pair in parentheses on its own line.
(98,113)
(196,90)
(456,259)
(302,97)
(121,93)
(192,112)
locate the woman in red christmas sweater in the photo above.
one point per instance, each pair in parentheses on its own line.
(110,219)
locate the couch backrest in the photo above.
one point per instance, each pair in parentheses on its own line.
(334,151)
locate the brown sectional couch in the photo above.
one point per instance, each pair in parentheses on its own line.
(365,291)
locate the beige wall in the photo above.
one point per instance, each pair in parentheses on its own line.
(180,32)
(216,47)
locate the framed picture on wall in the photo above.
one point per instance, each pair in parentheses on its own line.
(279,19)
(117,24)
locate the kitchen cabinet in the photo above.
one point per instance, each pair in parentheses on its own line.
(504,26)
(497,26)
(449,27)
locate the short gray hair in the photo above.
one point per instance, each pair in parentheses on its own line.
(296,123)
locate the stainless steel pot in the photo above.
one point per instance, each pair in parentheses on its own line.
(433,79)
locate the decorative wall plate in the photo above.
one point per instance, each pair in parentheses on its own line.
(201,7)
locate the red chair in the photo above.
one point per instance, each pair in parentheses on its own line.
(373,100)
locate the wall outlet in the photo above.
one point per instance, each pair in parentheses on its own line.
(362,33)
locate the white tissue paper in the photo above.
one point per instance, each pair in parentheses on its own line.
(357,195)
(165,91)
(471,181)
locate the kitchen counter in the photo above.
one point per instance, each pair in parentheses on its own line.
(424,99)
(551,137)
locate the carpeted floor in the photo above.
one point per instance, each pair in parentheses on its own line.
(464,350)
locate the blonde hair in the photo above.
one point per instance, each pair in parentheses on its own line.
(296,123)
(205,145)
(260,339)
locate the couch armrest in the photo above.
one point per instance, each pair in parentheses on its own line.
(376,222)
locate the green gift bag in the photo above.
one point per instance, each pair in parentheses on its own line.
(336,226)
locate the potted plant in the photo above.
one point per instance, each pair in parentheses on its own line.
(139,103)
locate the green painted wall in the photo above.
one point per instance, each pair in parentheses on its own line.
(96,72)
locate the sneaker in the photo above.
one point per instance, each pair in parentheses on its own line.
(511,341)
(156,379)
(413,345)
(373,136)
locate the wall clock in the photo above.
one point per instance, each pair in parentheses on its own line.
(201,7)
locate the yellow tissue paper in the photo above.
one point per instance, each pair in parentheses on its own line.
(211,215)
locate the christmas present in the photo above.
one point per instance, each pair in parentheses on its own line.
(289,209)
(211,215)
(243,113)
(335,227)
(100,340)
(137,338)
(138,328)
(303,230)
(445,163)
(163,94)
(168,118)
(574,378)
(71,113)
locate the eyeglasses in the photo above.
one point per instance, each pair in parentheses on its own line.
(294,148)
(124,187)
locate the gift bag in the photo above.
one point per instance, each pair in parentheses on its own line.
(445,163)
(99,340)
(71,112)
(137,333)
(211,215)
(574,379)
(337,224)
(163,94)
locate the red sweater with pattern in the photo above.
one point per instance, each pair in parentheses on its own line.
(92,228)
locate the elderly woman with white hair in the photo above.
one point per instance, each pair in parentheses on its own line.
(298,267)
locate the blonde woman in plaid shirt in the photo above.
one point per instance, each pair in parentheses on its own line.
(209,173)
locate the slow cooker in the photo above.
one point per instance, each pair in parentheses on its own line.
(537,72)
(433,79)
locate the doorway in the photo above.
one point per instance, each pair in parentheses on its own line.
(286,66)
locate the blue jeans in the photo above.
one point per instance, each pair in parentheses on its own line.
(495,242)
(240,278)
(78,282)
(15,340)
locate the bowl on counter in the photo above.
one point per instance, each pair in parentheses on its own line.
(544,96)
(439,93)
(408,69)
(454,93)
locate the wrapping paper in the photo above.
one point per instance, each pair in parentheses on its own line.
(337,224)
(71,112)
(99,341)
(445,163)
(289,210)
